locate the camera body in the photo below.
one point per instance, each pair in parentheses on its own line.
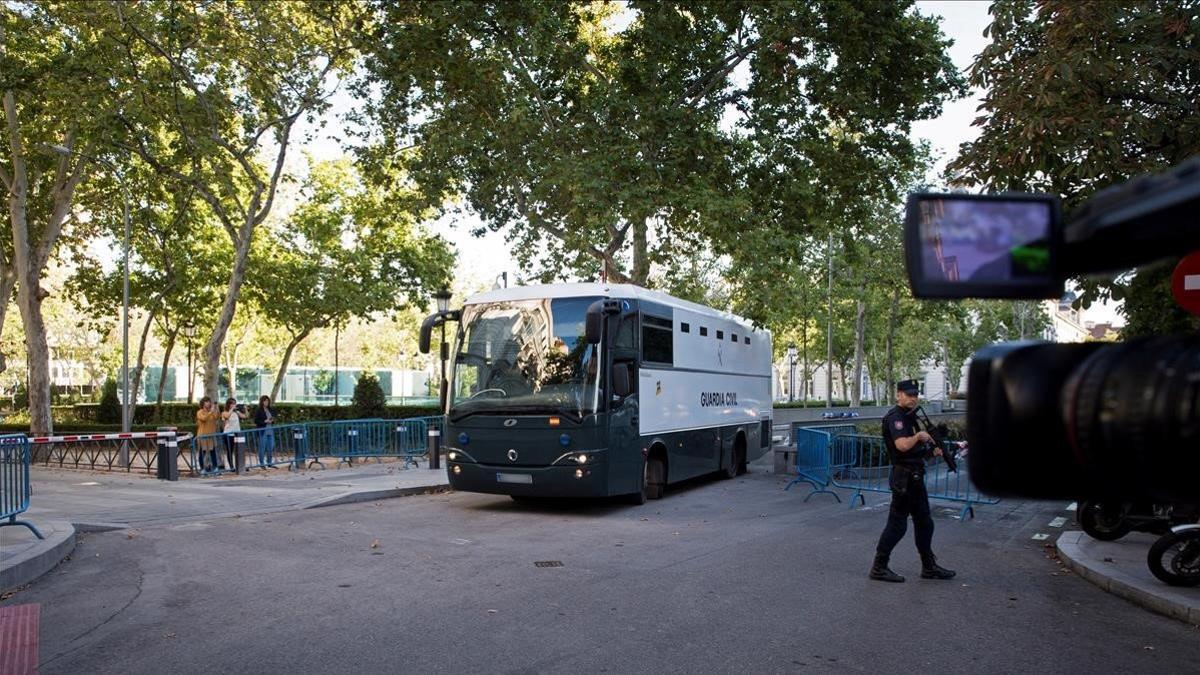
(1069,421)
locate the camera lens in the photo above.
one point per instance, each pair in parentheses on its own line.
(1087,420)
(1132,415)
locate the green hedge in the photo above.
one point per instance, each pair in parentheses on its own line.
(821,404)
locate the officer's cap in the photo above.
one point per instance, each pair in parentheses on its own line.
(908,386)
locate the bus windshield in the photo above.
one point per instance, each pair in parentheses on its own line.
(525,356)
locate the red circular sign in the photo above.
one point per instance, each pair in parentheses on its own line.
(1185,283)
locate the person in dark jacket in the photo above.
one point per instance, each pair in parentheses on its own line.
(908,447)
(264,417)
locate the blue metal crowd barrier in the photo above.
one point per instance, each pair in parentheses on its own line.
(870,466)
(14,481)
(812,461)
(308,444)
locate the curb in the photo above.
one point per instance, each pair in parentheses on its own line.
(1165,600)
(41,558)
(100,527)
(373,495)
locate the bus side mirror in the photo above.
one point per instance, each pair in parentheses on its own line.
(621,386)
(426,331)
(593,322)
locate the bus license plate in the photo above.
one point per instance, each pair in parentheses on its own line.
(514,478)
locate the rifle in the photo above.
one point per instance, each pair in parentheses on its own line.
(939,434)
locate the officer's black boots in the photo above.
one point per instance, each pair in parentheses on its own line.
(880,571)
(931,570)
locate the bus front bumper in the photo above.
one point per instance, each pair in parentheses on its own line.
(589,480)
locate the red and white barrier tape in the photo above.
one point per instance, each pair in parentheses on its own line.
(103,437)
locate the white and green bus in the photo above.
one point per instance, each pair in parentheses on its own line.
(596,390)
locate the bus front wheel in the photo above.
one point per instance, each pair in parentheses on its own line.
(655,477)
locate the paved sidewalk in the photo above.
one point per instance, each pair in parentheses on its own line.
(1119,567)
(95,501)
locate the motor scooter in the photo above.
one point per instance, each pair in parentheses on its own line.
(1175,557)
(1111,520)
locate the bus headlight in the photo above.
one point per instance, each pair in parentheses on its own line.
(581,458)
(453,456)
(457,469)
(579,473)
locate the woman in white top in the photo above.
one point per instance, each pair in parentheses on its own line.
(233,423)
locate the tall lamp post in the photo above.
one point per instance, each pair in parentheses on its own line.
(443,306)
(125,402)
(791,352)
(189,332)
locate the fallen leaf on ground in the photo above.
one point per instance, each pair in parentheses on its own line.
(375,544)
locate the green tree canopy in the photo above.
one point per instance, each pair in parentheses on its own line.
(1082,95)
(601,146)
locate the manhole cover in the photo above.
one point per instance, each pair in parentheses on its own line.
(548,563)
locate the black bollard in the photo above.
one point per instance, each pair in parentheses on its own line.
(435,448)
(239,452)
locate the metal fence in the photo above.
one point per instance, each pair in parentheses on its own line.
(838,457)
(14,481)
(297,446)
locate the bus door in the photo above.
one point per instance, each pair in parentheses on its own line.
(624,437)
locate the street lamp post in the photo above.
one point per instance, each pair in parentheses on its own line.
(443,305)
(125,402)
(791,352)
(189,332)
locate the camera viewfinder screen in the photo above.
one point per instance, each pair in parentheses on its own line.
(985,242)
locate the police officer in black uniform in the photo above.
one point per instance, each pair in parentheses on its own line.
(907,448)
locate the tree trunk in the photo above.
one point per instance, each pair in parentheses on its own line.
(641,260)
(829,332)
(162,378)
(212,348)
(860,327)
(231,363)
(287,357)
(29,300)
(7,282)
(893,316)
(805,310)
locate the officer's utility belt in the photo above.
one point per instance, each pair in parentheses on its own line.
(902,475)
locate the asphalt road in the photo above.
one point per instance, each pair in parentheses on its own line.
(732,576)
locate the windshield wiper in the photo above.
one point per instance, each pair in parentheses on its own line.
(549,409)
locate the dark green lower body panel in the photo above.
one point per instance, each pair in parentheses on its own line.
(550,481)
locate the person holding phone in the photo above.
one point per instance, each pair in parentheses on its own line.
(264,417)
(232,415)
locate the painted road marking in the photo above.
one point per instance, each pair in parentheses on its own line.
(1073,506)
(19,633)
(1058,522)
(1040,537)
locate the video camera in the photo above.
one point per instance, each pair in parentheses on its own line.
(1049,420)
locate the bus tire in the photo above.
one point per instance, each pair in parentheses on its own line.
(730,469)
(737,459)
(655,477)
